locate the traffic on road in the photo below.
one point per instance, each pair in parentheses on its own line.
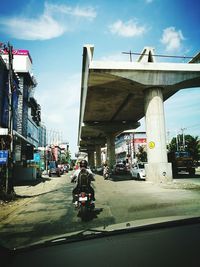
(49,206)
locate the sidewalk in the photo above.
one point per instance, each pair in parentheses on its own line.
(25,193)
(42,186)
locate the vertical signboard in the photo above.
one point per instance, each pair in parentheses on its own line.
(3,157)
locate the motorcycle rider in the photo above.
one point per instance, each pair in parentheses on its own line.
(106,171)
(77,176)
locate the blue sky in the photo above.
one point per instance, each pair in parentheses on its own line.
(55,31)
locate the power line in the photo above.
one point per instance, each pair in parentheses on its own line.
(195,125)
(154,55)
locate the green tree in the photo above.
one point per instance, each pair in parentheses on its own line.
(66,157)
(193,146)
(142,154)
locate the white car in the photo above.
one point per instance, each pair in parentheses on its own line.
(137,170)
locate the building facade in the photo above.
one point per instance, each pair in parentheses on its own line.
(27,131)
(127,145)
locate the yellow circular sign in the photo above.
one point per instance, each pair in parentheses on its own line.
(151,145)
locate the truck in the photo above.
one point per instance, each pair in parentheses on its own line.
(182,161)
(53,168)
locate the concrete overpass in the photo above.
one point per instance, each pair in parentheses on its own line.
(116,95)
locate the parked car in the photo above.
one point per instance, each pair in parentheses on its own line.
(120,168)
(99,170)
(54,169)
(137,170)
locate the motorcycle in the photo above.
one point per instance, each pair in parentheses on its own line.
(83,194)
(84,203)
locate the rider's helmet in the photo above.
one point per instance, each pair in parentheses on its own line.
(83,163)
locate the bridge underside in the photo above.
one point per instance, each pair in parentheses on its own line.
(116,95)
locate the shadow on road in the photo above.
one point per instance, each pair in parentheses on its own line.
(91,215)
(186,176)
(31,183)
(35,195)
(127,177)
(122,177)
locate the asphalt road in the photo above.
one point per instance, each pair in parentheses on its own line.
(47,209)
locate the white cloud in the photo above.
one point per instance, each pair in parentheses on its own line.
(87,12)
(127,29)
(53,22)
(60,106)
(42,28)
(172,39)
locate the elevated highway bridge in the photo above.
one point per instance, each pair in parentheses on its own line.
(116,95)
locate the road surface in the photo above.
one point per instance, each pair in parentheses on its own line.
(47,209)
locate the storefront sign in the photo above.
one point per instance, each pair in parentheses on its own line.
(139,140)
(37,157)
(18,52)
(3,156)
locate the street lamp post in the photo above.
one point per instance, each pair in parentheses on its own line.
(128,139)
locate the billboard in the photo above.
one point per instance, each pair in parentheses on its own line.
(17,52)
(4,118)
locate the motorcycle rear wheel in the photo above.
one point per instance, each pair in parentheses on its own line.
(83,212)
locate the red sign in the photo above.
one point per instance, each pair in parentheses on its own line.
(18,52)
(140,140)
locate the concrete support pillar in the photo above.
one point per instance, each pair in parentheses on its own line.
(110,149)
(91,159)
(98,155)
(158,169)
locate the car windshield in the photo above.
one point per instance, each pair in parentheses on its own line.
(52,164)
(141,165)
(107,87)
(120,165)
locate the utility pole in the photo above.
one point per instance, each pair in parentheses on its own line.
(10,117)
(9,169)
(182,130)
(177,145)
(129,53)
